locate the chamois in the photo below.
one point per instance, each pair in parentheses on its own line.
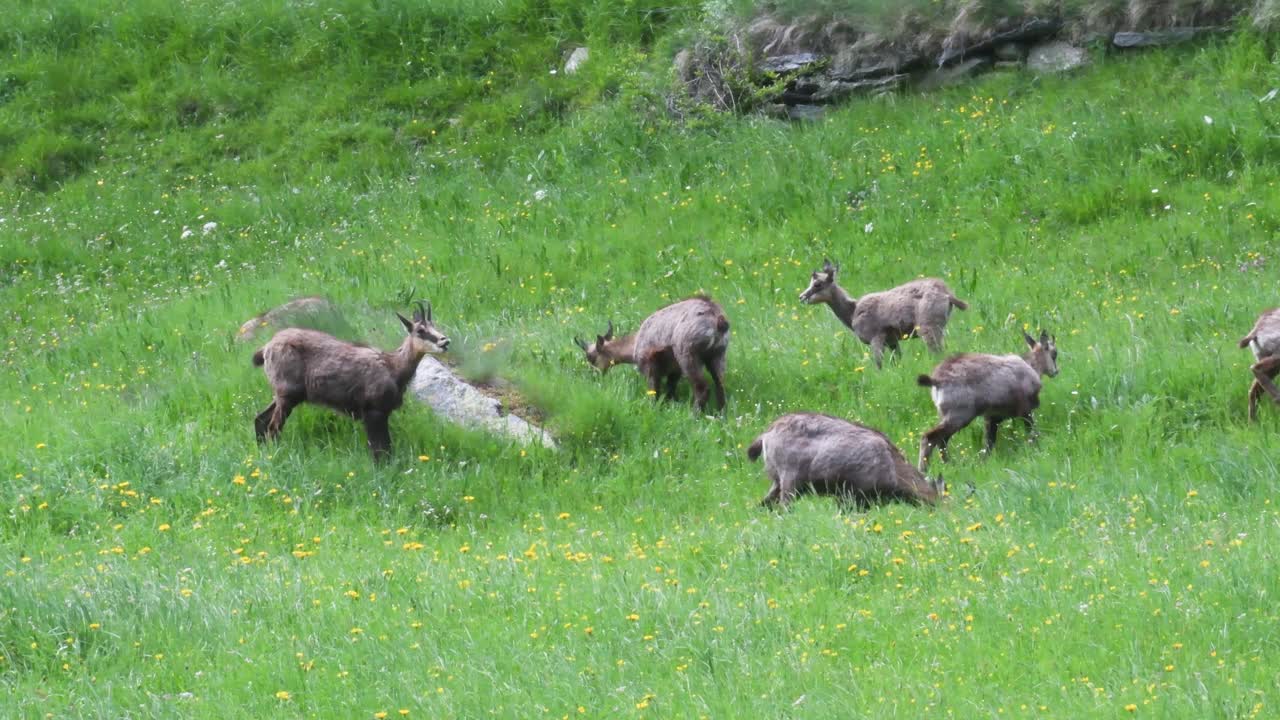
(1264,341)
(819,454)
(679,339)
(997,387)
(364,382)
(918,308)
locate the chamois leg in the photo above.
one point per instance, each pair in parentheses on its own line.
(1029,421)
(673,381)
(786,491)
(692,369)
(716,368)
(260,422)
(1265,370)
(284,405)
(992,425)
(877,351)
(378,433)
(932,338)
(1255,392)
(937,437)
(775,491)
(895,346)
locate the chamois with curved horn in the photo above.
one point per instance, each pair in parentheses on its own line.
(997,387)
(678,340)
(363,382)
(919,308)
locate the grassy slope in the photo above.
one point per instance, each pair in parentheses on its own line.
(151,549)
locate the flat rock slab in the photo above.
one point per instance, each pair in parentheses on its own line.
(1159,38)
(1056,56)
(461,403)
(299,312)
(788,63)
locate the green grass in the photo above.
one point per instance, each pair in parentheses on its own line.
(159,563)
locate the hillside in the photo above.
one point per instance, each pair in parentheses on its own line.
(171,169)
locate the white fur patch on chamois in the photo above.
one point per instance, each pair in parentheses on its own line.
(938,396)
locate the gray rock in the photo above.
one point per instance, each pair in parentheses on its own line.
(462,404)
(942,77)
(1159,38)
(1029,31)
(311,311)
(851,64)
(1010,52)
(1056,56)
(806,113)
(788,63)
(576,59)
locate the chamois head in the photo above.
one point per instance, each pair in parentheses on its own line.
(600,353)
(820,284)
(1044,353)
(422,333)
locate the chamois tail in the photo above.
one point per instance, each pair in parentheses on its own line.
(258,359)
(924,381)
(957,302)
(757,447)
(1244,341)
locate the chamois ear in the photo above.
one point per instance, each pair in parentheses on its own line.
(1031,342)
(827,267)
(405,321)
(600,339)
(1044,338)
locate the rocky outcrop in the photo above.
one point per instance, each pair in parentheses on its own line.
(803,66)
(461,403)
(299,312)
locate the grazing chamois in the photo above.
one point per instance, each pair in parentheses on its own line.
(1264,341)
(997,387)
(679,339)
(819,454)
(363,382)
(918,308)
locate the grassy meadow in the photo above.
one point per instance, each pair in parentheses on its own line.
(170,169)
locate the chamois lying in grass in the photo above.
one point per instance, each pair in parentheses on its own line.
(997,387)
(1264,341)
(819,454)
(679,339)
(363,382)
(918,308)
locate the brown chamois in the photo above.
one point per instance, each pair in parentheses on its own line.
(1264,341)
(680,339)
(997,387)
(363,382)
(819,454)
(919,308)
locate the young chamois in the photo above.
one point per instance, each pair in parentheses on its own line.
(1264,341)
(680,339)
(997,387)
(918,308)
(819,454)
(363,382)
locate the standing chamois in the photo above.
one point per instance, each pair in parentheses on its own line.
(363,382)
(918,308)
(997,387)
(819,454)
(1264,341)
(680,339)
